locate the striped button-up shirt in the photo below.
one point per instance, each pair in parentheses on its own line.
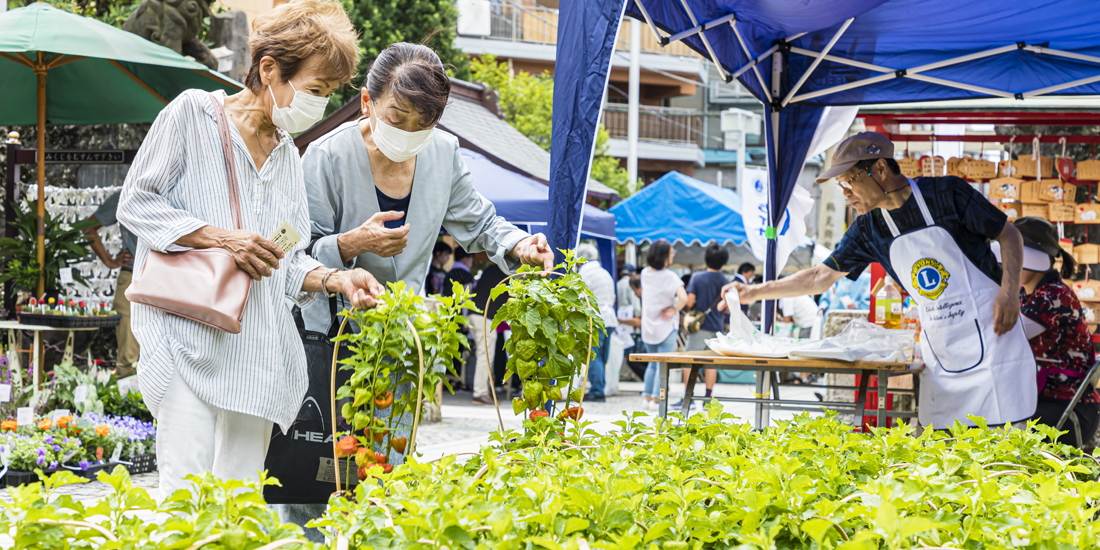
(178,184)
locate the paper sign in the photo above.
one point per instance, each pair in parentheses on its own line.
(66,275)
(80,395)
(117,454)
(5,393)
(5,455)
(286,237)
(24,416)
(58,413)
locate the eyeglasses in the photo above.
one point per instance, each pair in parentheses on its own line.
(844,184)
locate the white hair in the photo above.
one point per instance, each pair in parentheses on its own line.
(588,251)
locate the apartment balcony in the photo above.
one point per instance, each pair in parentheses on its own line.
(530,33)
(664,133)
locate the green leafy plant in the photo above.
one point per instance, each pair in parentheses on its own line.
(214,514)
(67,377)
(65,243)
(129,404)
(553,321)
(386,358)
(707,482)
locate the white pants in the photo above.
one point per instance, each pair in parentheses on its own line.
(484,362)
(194,437)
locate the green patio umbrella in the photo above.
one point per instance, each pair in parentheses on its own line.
(62,68)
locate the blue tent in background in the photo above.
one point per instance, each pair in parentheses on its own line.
(681,209)
(525,202)
(801,56)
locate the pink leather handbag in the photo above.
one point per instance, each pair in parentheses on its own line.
(204,285)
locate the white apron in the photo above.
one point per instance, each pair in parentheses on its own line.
(969,369)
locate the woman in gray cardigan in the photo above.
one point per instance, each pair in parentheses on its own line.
(381,187)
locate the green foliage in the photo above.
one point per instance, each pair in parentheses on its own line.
(384,22)
(386,356)
(528,102)
(131,404)
(64,243)
(808,484)
(67,378)
(114,13)
(553,319)
(228,515)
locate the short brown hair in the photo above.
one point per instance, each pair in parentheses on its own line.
(414,73)
(295,32)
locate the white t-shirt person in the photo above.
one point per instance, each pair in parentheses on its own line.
(659,288)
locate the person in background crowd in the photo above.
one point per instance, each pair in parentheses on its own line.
(105,216)
(216,396)
(1057,331)
(848,294)
(460,271)
(441,254)
(481,329)
(625,294)
(746,272)
(663,297)
(703,293)
(601,284)
(802,312)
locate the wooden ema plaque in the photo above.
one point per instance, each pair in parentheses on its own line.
(1056,191)
(910,167)
(955,167)
(1088,170)
(1060,212)
(1087,213)
(1037,210)
(1025,167)
(980,170)
(1064,166)
(1010,207)
(930,170)
(1005,188)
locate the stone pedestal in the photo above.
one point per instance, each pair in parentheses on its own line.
(229,30)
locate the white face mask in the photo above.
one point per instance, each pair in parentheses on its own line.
(303,112)
(398,145)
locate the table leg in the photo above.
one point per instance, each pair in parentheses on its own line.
(759,421)
(37,352)
(883,386)
(662,400)
(861,397)
(689,390)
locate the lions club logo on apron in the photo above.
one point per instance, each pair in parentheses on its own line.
(930,278)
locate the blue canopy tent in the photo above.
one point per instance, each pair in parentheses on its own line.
(799,57)
(525,202)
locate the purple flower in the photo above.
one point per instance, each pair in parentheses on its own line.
(65,441)
(48,438)
(57,448)
(53,465)
(41,460)
(84,465)
(41,451)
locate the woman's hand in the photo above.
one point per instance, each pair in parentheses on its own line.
(374,237)
(668,313)
(360,287)
(534,250)
(256,255)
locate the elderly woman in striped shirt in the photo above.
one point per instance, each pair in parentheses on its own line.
(216,395)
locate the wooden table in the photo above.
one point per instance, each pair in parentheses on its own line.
(767,397)
(14,326)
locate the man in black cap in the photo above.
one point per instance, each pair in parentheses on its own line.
(932,236)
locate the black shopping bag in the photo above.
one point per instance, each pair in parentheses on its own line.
(302,459)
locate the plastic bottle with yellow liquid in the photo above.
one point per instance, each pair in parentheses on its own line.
(888,310)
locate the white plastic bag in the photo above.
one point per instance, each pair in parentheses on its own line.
(861,341)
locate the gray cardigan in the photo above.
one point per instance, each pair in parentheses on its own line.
(341,193)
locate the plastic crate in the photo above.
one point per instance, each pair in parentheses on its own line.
(15,478)
(142,464)
(69,321)
(94,469)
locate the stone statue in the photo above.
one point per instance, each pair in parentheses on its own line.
(175,24)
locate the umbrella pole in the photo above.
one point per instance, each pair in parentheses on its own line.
(40,72)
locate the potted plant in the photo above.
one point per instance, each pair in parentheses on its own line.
(400,343)
(65,243)
(555,322)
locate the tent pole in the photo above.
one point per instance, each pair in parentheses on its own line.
(706,43)
(816,62)
(1059,87)
(754,61)
(748,54)
(649,21)
(40,70)
(700,28)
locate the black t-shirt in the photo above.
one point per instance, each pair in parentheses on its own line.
(490,277)
(459,275)
(956,206)
(386,204)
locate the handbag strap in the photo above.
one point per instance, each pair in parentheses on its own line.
(230,166)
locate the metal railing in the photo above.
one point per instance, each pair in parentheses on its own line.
(665,124)
(539,25)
